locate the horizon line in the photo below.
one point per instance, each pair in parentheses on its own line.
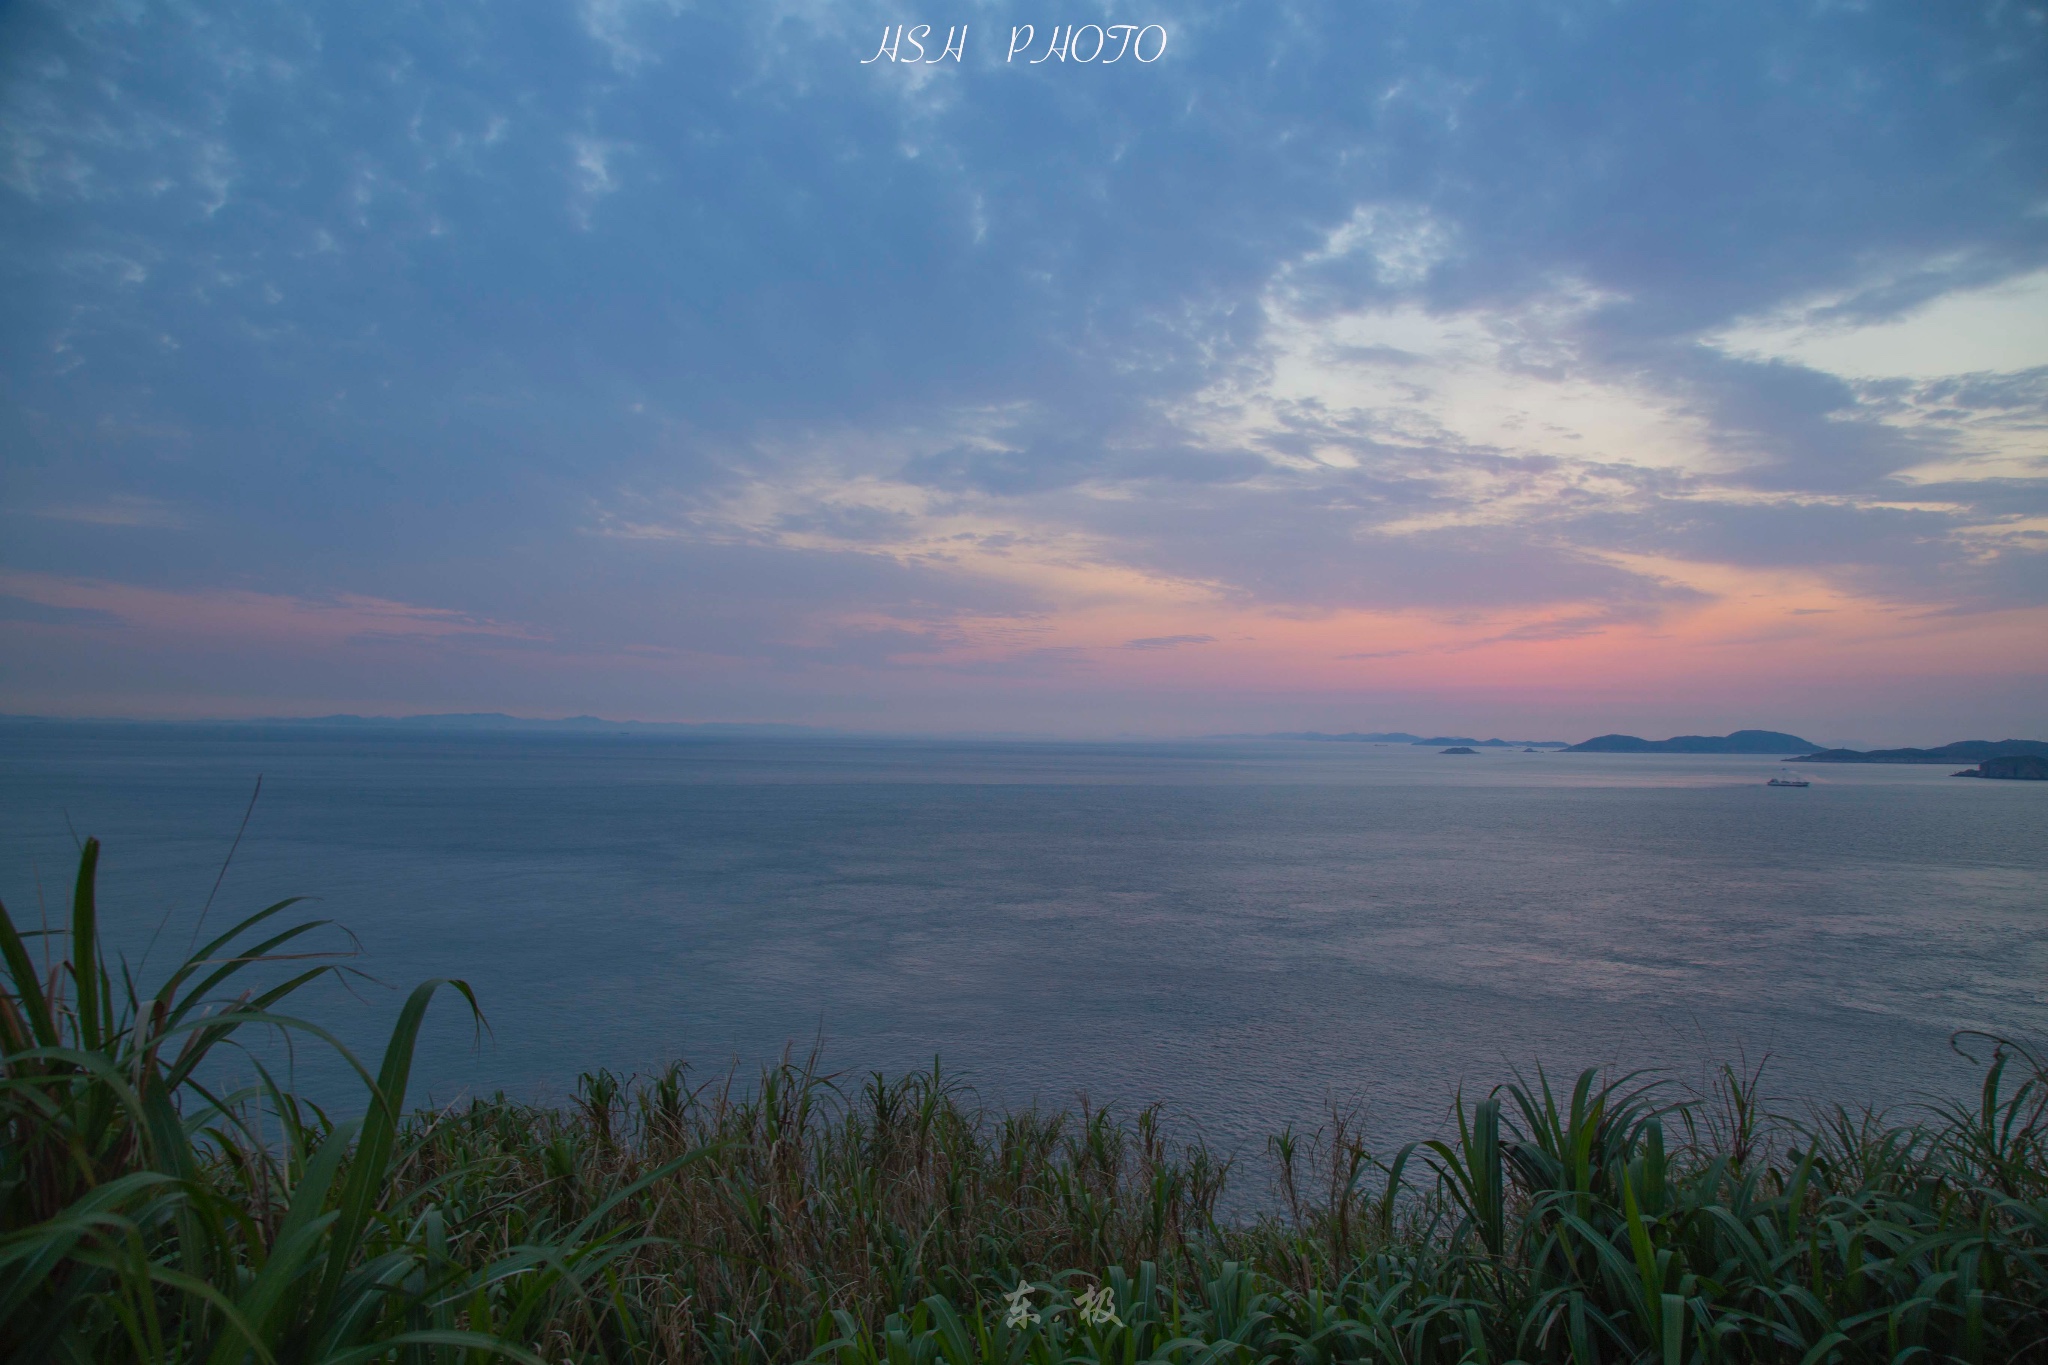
(503,720)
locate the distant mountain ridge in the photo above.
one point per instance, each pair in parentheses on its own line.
(1497,743)
(498,720)
(462,721)
(1962,751)
(1740,742)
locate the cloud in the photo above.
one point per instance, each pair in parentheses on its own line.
(123,509)
(1400,246)
(42,613)
(274,618)
(1961,377)
(1999,328)
(1509,379)
(1169,641)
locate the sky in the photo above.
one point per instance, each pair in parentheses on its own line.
(1526,367)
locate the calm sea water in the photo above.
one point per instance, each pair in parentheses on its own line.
(1242,930)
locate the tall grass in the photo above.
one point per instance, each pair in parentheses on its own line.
(863,1221)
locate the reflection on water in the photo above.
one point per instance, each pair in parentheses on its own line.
(1238,928)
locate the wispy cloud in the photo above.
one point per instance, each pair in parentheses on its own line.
(1169,641)
(119,510)
(275,618)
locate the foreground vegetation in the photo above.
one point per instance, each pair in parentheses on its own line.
(147,1217)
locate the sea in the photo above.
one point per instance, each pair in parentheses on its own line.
(1250,933)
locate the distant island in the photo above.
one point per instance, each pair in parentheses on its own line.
(2024,767)
(1461,749)
(1497,743)
(1962,751)
(1403,737)
(1741,742)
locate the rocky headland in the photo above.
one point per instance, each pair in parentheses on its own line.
(1962,751)
(2024,767)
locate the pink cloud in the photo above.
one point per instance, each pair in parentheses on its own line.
(235,614)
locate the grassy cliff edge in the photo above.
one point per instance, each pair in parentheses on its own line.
(150,1218)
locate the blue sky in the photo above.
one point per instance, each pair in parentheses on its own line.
(1565,366)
